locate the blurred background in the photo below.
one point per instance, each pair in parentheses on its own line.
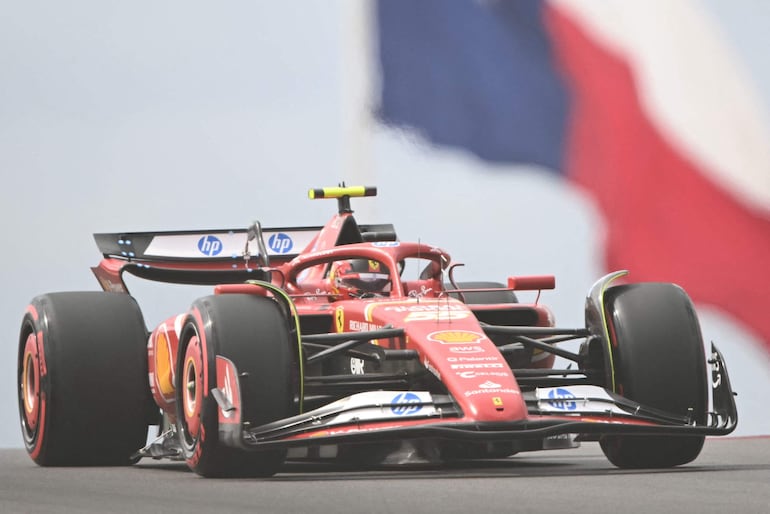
(525,137)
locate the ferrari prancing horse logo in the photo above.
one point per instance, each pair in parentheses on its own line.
(339,318)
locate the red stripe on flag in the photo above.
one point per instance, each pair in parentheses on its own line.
(666,221)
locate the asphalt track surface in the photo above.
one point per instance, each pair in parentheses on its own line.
(731,476)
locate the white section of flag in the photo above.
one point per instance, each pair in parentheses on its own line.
(692,86)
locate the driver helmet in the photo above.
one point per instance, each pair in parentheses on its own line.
(359,277)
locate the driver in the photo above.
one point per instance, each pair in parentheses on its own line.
(359,278)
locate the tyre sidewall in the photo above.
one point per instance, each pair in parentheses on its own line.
(659,359)
(220,323)
(94,397)
(659,362)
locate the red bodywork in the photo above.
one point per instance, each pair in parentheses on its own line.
(445,332)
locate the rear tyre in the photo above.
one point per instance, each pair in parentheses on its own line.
(659,361)
(83,394)
(253,333)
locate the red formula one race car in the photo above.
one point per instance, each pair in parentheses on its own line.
(342,341)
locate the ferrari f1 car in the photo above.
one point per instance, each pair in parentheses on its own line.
(343,341)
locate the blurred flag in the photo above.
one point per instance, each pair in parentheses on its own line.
(639,103)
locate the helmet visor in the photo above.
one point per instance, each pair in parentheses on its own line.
(367,282)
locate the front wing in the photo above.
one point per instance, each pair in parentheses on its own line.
(589,411)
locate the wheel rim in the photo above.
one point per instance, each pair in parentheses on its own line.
(29,388)
(192,390)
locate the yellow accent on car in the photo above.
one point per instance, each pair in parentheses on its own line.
(605,324)
(339,318)
(163,365)
(339,192)
(278,292)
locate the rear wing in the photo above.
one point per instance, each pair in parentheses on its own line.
(216,246)
(282,244)
(230,255)
(210,257)
(197,257)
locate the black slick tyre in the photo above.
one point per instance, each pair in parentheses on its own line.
(83,393)
(659,362)
(253,333)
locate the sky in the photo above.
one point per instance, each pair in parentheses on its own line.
(138,116)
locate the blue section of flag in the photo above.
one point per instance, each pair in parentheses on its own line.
(477,75)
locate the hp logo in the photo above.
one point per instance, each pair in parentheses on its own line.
(210,245)
(280,243)
(562,399)
(408,403)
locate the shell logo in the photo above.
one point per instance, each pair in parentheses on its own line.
(455,337)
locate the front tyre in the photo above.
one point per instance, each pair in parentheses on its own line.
(253,333)
(659,362)
(83,394)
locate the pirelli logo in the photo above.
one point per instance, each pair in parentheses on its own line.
(483,365)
